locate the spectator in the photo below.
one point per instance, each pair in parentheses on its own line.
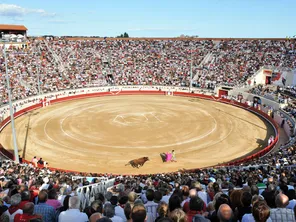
(225,213)
(174,202)
(47,212)
(25,198)
(196,206)
(132,196)
(162,211)
(178,215)
(52,199)
(28,214)
(221,199)
(246,200)
(235,200)
(95,217)
(14,207)
(269,195)
(3,217)
(73,213)
(185,192)
(292,199)
(65,205)
(281,213)
(95,207)
(157,197)
(139,213)
(109,212)
(192,193)
(118,209)
(104,219)
(261,212)
(128,212)
(151,206)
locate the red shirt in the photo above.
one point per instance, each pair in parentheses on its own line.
(25,217)
(22,203)
(191,214)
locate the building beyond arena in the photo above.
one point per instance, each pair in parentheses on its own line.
(226,106)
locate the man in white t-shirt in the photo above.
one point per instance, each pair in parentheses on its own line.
(73,213)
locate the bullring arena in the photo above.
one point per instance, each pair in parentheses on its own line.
(101,134)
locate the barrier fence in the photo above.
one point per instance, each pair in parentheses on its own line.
(155,92)
(87,193)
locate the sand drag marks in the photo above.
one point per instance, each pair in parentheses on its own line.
(102,134)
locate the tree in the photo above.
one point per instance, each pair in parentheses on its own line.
(124,35)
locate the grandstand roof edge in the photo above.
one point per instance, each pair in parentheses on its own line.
(161,38)
(13,27)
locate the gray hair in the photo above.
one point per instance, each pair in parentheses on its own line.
(120,187)
(74,203)
(138,202)
(108,195)
(15,199)
(109,210)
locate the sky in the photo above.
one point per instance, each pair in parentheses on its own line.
(153,18)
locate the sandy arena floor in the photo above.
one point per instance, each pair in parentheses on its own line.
(102,134)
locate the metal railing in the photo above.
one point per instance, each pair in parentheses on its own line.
(87,193)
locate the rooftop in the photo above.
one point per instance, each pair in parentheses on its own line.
(13,27)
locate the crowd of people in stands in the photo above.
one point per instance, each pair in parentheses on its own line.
(260,190)
(59,63)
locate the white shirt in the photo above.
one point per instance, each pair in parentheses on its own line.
(166,198)
(116,219)
(44,186)
(61,199)
(291,204)
(73,215)
(151,209)
(11,216)
(120,212)
(203,195)
(250,218)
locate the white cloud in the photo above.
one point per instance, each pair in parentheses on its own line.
(11,10)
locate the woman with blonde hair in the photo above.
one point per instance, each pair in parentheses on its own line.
(162,210)
(178,215)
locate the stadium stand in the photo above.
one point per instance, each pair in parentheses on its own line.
(265,185)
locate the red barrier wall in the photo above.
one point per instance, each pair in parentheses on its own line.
(185,94)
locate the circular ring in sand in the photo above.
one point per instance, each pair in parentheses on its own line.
(102,134)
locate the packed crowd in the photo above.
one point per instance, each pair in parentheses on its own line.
(60,63)
(223,194)
(290,93)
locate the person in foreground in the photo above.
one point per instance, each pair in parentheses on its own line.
(28,214)
(73,213)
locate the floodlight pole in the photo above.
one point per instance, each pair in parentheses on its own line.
(16,155)
(38,79)
(191,64)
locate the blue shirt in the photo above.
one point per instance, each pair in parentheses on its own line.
(48,212)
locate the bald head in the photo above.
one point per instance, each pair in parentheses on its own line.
(28,208)
(94,217)
(224,213)
(192,193)
(281,200)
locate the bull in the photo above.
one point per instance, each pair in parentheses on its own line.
(137,162)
